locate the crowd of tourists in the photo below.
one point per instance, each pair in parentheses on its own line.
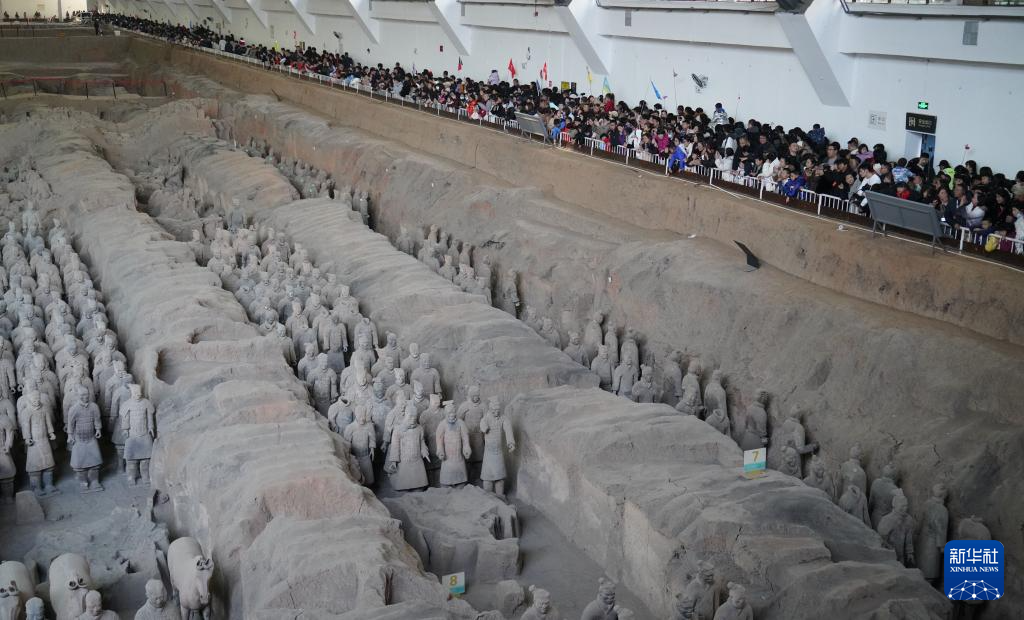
(968,196)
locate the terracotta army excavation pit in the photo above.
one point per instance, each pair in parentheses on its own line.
(258,363)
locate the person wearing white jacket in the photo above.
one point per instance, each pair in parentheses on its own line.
(724,163)
(1018,227)
(769,164)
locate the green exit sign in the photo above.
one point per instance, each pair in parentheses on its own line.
(922,105)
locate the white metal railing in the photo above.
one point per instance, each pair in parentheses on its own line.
(824,204)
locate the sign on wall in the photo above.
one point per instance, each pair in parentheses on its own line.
(921,123)
(876,120)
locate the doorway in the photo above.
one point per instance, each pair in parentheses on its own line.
(928,145)
(918,143)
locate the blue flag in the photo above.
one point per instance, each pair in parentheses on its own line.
(657,95)
(606,87)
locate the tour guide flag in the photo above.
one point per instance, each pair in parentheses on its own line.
(460,63)
(544,72)
(512,68)
(657,95)
(606,87)
(590,79)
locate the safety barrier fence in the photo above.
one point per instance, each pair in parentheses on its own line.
(1004,250)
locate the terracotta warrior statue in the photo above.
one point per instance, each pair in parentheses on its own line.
(789,463)
(792,434)
(714,394)
(882,491)
(673,378)
(362,438)
(934,534)
(531,319)
(156,607)
(472,412)
(427,375)
(35,609)
(498,435)
(602,367)
(340,415)
(623,378)
(307,363)
(138,423)
(643,390)
(94,608)
(37,431)
(851,472)
(592,335)
(430,419)
(853,501)
(549,332)
(690,402)
(540,607)
(453,448)
(683,608)
(323,385)
(736,607)
(720,422)
(603,607)
(576,350)
(704,590)
(447,270)
(819,478)
(897,530)
(7,468)
(84,428)
(408,451)
(755,432)
(510,293)
(334,341)
(629,347)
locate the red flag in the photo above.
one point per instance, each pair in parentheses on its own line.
(544,72)
(512,68)
(460,63)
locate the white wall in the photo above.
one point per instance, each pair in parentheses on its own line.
(47,7)
(885,64)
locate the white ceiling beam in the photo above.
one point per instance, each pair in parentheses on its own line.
(301,8)
(260,13)
(448,14)
(361,12)
(193,9)
(581,19)
(223,9)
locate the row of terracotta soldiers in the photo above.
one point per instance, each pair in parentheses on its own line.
(380,395)
(61,355)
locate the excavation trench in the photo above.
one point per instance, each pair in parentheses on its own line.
(250,470)
(644,505)
(858,373)
(645,492)
(900,386)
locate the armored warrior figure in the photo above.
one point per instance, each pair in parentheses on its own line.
(408,451)
(453,448)
(138,423)
(362,438)
(84,428)
(497,431)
